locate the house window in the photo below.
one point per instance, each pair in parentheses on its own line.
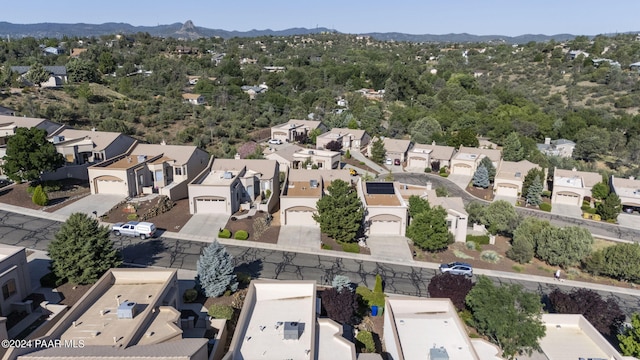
(178,171)
(97,157)
(8,289)
(449,224)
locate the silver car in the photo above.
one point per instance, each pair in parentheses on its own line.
(457,268)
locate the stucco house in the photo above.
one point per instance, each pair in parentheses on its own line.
(395,148)
(229,185)
(288,131)
(510,177)
(457,217)
(149,168)
(295,157)
(559,147)
(82,148)
(14,279)
(57,75)
(628,190)
(193,99)
(302,191)
(351,139)
(386,212)
(467,159)
(570,187)
(423,156)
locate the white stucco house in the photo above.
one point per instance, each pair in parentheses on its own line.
(386,212)
(432,156)
(288,131)
(570,187)
(510,178)
(351,139)
(467,159)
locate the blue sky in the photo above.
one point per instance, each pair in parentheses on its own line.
(479,17)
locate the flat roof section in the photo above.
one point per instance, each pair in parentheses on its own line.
(574,181)
(304,189)
(8,250)
(466,156)
(218,177)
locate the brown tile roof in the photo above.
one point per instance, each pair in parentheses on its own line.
(396,145)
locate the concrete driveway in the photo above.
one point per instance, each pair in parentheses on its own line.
(629,220)
(510,199)
(100,203)
(566,210)
(461,180)
(205,225)
(300,237)
(388,247)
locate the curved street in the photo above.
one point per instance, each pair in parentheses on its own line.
(602,229)
(171,252)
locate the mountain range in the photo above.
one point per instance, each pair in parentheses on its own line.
(189,31)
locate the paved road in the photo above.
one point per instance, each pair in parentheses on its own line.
(36,233)
(597,228)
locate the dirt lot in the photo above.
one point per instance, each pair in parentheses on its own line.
(253,225)
(70,191)
(172,220)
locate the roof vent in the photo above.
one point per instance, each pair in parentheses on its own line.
(311,152)
(227,175)
(142,158)
(313,183)
(439,353)
(293,330)
(58,139)
(126,310)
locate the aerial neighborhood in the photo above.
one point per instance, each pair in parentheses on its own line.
(318,196)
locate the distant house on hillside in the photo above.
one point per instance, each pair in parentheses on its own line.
(559,147)
(193,99)
(58,75)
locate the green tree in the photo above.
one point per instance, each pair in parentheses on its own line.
(378,152)
(464,137)
(534,194)
(530,177)
(429,231)
(81,71)
(106,63)
(37,74)
(215,271)
(525,239)
(565,246)
(39,197)
(488,164)
(512,149)
(29,154)
(600,190)
(610,208)
(82,250)
(424,130)
(417,205)
(629,340)
(591,143)
(481,177)
(501,217)
(476,211)
(340,212)
(507,315)
(619,261)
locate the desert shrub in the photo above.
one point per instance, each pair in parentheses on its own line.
(351,248)
(450,286)
(220,311)
(490,256)
(131,217)
(243,278)
(190,295)
(545,206)
(40,196)
(471,245)
(546,193)
(366,339)
(479,239)
(241,235)
(461,255)
(619,261)
(225,234)
(427,170)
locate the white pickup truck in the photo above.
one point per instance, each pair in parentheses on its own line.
(134,228)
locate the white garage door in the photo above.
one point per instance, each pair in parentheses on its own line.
(510,191)
(300,218)
(417,163)
(111,186)
(568,199)
(211,206)
(462,170)
(385,227)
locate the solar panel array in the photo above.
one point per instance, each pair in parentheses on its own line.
(380,188)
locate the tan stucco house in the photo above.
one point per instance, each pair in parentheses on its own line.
(288,131)
(295,157)
(14,279)
(423,156)
(302,191)
(386,212)
(570,187)
(467,159)
(510,177)
(149,168)
(628,190)
(228,185)
(351,139)
(394,148)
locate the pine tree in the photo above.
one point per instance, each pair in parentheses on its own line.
(215,271)
(378,151)
(512,149)
(528,179)
(610,207)
(37,74)
(82,250)
(429,231)
(340,212)
(534,194)
(488,164)
(481,177)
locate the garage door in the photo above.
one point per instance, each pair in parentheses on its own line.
(462,170)
(300,216)
(111,185)
(211,205)
(418,163)
(506,190)
(385,225)
(568,199)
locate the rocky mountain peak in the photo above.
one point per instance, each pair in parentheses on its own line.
(188,27)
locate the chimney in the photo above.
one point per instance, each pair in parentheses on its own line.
(547,141)
(236,156)
(433,143)
(163,142)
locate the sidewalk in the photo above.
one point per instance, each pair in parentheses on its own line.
(358,156)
